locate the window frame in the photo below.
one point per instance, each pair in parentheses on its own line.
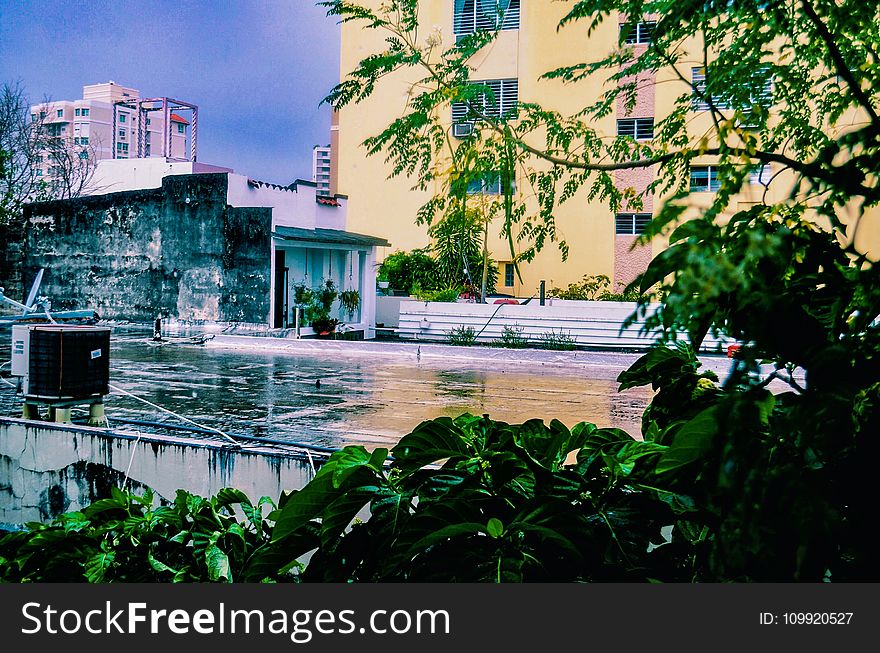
(509,275)
(504,107)
(642,128)
(642,34)
(468,17)
(636,223)
(712,183)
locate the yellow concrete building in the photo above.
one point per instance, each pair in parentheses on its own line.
(528,45)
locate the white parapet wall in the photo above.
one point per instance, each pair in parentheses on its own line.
(46,469)
(587,324)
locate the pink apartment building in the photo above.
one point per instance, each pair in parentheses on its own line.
(114,122)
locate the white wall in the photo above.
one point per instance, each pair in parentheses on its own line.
(594,324)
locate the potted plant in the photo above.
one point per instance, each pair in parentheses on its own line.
(382,279)
(350,301)
(324,325)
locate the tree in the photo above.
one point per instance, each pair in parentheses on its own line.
(29,148)
(788,83)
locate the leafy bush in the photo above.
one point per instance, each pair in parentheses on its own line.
(595,288)
(125,538)
(461,335)
(405,271)
(449,294)
(561,340)
(512,338)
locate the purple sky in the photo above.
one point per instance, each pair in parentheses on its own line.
(257,69)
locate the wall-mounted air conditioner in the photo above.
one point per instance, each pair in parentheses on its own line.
(463,129)
(61,362)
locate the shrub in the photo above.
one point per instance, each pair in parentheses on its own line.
(406,271)
(595,288)
(461,335)
(512,338)
(561,341)
(449,294)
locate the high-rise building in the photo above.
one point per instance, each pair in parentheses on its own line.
(114,122)
(529,43)
(321,167)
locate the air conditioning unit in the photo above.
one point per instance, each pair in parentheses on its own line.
(61,362)
(463,129)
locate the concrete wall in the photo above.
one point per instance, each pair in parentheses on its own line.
(592,324)
(178,250)
(49,469)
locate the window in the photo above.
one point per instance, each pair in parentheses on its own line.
(76,140)
(83,140)
(121,133)
(55,130)
(59,113)
(698,78)
(637,33)
(631,224)
(33,116)
(704,179)
(76,112)
(498,100)
(149,121)
(83,155)
(38,172)
(123,117)
(641,129)
(479,15)
(85,112)
(181,128)
(509,270)
(42,114)
(760,174)
(122,147)
(489,184)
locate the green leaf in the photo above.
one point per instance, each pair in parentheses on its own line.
(218,564)
(495,528)
(98,565)
(693,440)
(430,442)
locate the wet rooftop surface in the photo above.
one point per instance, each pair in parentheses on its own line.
(333,394)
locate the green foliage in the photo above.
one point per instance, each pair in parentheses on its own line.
(442,295)
(558,340)
(126,538)
(461,335)
(458,248)
(595,288)
(316,304)
(408,271)
(512,338)
(350,302)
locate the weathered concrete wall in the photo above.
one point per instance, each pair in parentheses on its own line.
(49,469)
(10,266)
(178,250)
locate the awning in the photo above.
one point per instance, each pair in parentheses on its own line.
(334,236)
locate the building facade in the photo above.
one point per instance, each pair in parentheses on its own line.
(111,121)
(321,169)
(528,44)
